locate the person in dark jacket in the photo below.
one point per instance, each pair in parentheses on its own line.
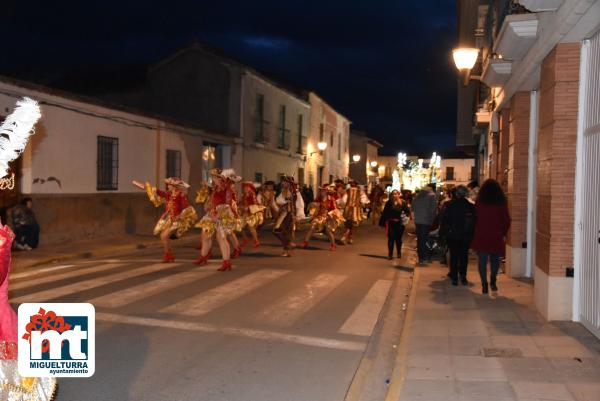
(424,207)
(394,216)
(457,225)
(27,229)
(493,222)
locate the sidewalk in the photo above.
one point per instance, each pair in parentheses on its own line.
(86,248)
(458,344)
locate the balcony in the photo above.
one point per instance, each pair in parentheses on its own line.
(496,72)
(541,5)
(483,117)
(518,33)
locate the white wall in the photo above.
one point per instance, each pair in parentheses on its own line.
(65,145)
(267,158)
(462,170)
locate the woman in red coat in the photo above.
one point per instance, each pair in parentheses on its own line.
(491,227)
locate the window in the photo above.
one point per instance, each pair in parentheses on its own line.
(339,146)
(281,142)
(258,177)
(331,140)
(173,163)
(108,163)
(449,173)
(320,176)
(260,120)
(300,122)
(473,173)
(321,129)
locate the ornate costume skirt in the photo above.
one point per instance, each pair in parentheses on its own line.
(255,216)
(186,220)
(14,387)
(223,220)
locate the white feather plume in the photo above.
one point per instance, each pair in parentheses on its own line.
(16,130)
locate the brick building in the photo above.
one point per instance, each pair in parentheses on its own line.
(536,119)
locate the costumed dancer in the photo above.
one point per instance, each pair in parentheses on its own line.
(251,211)
(352,202)
(325,216)
(13,386)
(291,208)
(220,218)
(239,224)
(376,198)
(267,199)
(179,215)
(14,135)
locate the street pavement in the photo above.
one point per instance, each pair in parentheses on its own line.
(320,325)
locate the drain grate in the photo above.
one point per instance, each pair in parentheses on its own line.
(502,352)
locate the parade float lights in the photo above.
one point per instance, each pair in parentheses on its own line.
(415,174)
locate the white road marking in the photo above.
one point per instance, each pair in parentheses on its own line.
(363,319)
(292,306)
(150,260)
(219,296)
(234,331)
(38,271)
(91,283)
(144,290)
(62,276)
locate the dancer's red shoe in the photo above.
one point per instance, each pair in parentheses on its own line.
(332,247)
(256,244)
(202,260)
(236,253)
(168,257)
(304,244)
(225,266)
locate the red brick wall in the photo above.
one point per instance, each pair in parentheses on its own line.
(518,144)
(557,139)
(502,165)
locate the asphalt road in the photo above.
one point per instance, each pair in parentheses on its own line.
(272,329)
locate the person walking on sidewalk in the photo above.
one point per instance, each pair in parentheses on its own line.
(394,217)
(456,226)
(493,222)
(424,210)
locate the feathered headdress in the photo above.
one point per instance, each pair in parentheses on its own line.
(16,130)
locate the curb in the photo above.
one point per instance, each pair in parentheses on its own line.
(117,249)
(399,372)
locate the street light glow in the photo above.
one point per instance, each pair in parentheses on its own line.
(373,163)
(322,145)
(465,57)
(356,158)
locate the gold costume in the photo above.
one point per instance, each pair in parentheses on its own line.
(353,208)
(14,387)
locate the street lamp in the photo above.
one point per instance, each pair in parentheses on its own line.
(374,164)
(355,158)
(465,59)
(322,145)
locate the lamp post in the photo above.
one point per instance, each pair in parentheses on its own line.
(322,146)
(465,58)
(355,158)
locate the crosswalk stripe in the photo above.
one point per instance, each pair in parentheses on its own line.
(363,319)
(219,296)
(292,306)
(91,283)
(36,272)
(141,291)
(61,276)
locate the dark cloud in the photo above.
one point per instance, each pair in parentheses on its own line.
(385,64)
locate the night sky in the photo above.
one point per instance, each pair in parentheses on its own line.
(386,65)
